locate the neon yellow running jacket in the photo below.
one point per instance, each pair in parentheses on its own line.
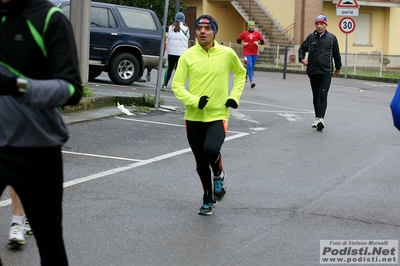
(208,74)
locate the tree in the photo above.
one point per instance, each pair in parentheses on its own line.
(156,5)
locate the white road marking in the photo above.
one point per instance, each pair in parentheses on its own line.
(141,163)
(290,117)
(77,181)
(277,106)
(101,156)
(4,203)
(243,117)
(276,111)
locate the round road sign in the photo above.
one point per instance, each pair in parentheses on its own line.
(347,25)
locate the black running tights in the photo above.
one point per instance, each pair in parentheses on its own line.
(320,86)
(36,174)
(172,63)
(205,140)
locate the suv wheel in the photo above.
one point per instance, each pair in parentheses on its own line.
(123,69)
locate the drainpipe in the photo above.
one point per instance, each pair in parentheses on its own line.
(303,10)
(177,6)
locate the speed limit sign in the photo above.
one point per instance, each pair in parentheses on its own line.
(347,25)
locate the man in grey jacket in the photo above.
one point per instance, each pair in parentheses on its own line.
(38,75)
(322,48)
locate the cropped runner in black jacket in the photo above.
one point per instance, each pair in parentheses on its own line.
(39,74)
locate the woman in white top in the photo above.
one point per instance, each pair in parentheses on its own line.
(178,37)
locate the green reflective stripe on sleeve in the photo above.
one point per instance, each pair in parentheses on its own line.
(15,72)
(3,19)
(48,17)
(38,38)
(71,89)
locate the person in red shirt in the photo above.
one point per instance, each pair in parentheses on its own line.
(250,39)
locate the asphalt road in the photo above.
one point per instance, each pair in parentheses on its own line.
(132,193)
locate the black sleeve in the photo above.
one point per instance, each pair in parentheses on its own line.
(62,55)
(303,49)
(239,41)
(336,54)
(261,42)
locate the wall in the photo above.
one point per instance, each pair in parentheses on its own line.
(394,32)
(385,36)
(230,23)
(284,16)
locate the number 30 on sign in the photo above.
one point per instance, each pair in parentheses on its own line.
(347,25)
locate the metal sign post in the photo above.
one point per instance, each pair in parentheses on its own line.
(347,25)
(160,62)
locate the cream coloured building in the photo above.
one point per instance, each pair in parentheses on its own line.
(290,21)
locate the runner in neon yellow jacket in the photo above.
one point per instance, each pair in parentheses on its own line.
(207,66)
(208,74)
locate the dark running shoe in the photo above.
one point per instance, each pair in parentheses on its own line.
(206,209)
(320,125)
(220,188)
(252,84)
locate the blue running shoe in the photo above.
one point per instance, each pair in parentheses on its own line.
(206,209)
(208,204)
(220,188)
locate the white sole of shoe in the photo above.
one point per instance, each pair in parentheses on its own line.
(16,242)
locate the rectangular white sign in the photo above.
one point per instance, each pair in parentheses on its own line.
(347,12)
(359,252)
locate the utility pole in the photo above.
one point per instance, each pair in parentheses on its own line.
(80,20)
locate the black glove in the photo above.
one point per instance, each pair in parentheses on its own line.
(231,103)
(203,102)
(8,86)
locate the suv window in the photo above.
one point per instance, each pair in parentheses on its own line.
(102,17)
(99,17)
(137,19)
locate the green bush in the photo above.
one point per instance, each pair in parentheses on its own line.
(384,60)
(86,91)
(150,100)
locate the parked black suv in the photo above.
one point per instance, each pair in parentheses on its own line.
(123,40)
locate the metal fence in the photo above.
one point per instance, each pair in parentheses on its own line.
(374,63)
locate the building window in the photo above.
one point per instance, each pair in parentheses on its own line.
(362,33)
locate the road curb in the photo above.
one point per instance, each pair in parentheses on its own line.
(96,102)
